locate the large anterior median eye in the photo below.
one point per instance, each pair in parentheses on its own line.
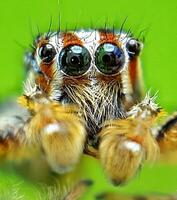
(74,60)
(109,58)
(47,52)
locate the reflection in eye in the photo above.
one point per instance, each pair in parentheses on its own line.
(134,47)
(74,60)
(47,53)
(109,58)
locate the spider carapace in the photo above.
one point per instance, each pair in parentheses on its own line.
(84,94)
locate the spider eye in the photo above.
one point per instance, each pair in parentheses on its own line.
(134,47)
(47,53)
(74,60)
(109,58)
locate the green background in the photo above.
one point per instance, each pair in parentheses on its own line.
(20,21)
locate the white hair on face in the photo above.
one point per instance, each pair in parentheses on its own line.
(30,87)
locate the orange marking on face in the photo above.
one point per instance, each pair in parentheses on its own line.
(42,41)
(133,71)
(108,37)
(71,39)
(43,83)
(47,69)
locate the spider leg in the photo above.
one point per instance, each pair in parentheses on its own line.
(57,130)
(126,143)
(78,190)
(49,127)
(166,134)
(115,196)
(12,121)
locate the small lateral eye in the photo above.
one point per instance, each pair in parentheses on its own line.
(134,47)
(109,58)
(74,60)
(47,52)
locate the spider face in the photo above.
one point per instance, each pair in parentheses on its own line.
(93,69)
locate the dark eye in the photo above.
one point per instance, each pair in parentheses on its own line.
(109,58)
(47,53)
(134,47)
(74,60)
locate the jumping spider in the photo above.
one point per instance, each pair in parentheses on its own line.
(81,96)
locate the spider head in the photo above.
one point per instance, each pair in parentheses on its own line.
(97,70)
